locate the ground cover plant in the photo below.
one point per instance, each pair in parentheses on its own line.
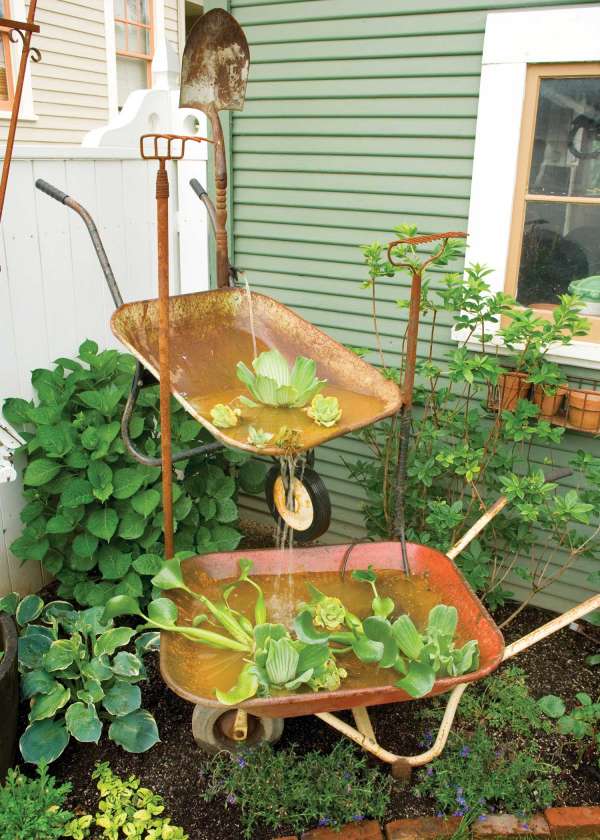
(75,678)
(581,723)
(466,450)
(493,760)
(32,808)
(298,791)
(93,515)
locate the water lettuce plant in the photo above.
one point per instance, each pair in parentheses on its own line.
(325,411)
(225,417)
(76,678)
(258,437)
(274,383)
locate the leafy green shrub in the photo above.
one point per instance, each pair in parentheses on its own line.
(125,810)
(464,452)
(31,809)
(582,723)
(75,678)
(492,760)
(277,789)
(93,515)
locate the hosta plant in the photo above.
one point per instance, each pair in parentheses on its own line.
(77,678)
(92,513)
(274,383)
(325,411)
(582,723)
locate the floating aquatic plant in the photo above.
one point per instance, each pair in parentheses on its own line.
(225,417)
(325,411)
(258,437)
(274,383)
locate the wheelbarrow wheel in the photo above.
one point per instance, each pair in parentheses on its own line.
(312,506)
(213,730)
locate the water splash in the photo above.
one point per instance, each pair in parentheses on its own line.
(250,314)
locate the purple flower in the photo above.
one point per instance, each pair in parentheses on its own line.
(525,826)
(323,821)
(358,817)
(241,761)
(482,817)
(439,813)
(465,751)
(459,813)
(347,776)
(430,771)
(231,799)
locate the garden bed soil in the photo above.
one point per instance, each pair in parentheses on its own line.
(173,768)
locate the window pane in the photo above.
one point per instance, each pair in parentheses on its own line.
(145,11)
(566,148)
(133,10)
(131,75)
(120,36)
(3,77)
(561,243)
(138,40)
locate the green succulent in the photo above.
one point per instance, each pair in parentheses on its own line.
(273,383)
(225,417)
(258,437)
(325,411)
(329,613)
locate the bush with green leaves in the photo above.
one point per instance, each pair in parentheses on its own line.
(32,809)
(464,454)
(280,789)
(126,810)
(93,514)
(76,678)
(582,723)
(492,761)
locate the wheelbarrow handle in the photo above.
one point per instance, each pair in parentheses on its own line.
(63,198)
(147,460)
(499,504)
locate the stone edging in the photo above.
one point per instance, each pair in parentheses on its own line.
(583,822)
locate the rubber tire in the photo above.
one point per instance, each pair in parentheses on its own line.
(211,738)
(319,496)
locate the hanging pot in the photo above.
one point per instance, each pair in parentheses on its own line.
(512,387)
(548,404)
(584,409)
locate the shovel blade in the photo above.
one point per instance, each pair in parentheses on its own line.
(216,59)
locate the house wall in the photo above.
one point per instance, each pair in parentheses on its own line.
(358,116)
(70,84)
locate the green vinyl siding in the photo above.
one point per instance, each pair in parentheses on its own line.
(358,116)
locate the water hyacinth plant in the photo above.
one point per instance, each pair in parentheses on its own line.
(274,383)
(325,411)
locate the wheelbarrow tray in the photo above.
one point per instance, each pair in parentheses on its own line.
(474,621)
(210,333)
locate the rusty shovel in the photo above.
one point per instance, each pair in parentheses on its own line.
(214,73)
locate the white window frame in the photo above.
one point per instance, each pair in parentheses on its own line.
(512,41)
(27,109)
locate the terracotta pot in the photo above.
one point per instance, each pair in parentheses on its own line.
(584,409)
(9,693)
(549,404)
(512,387)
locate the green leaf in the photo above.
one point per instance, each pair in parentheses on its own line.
(132,526)
(552,706)
(313,657)
(29,609)
(77,492)
(60,524)
(382,607)
(407,637)
(148,564)
(364,575)
(145,503)
(251,477)
(136,732)
(83,723)
(9,603)
(226,511)
(162,611)
(304,629)
(37,681)
(97,668)
(245,687)
(131,585)
(113,564)
(15,411)
(120,605)
(40,472)
(60,655)
(43,741)
(122,699)
(225,538)
(368,650)
(282,661)
(82,564)
(84,545)
(103,523)
(32,649)
(127,481)
(126,664)
(418,681)
(47,705)
(443,620)
(112,639)
(170,575)
(380,630)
